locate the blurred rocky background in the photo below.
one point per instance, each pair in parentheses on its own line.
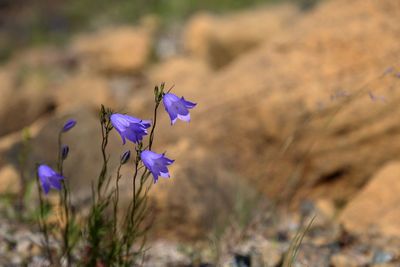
(297,115)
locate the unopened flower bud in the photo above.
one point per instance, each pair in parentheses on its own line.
(125,157)
(64,152)
(68,125)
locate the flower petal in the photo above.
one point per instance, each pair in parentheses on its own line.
(55,182)
(167,161)
(146,123)
(46,186)
(156,164)
(184,117)
(165,174)
(155,177)
(49,178)
(188,104)
(118,121)
(130,119)
(129,127)
(177,108)
(122,134)
(131,135)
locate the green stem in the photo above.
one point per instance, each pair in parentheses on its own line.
(42,223)
(104,134)
(151,138)
(115,219)
(66,203)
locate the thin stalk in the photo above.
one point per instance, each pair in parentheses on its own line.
(97,222)
(295,244)
(115,219)
(104,133)
(151,138)
(22,158)
(137,160)
(65,202)
(43,224)
(137,208)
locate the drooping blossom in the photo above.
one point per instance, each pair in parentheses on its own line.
(49,178)
(68,125)
(177,108)
(156,164)
(130,128)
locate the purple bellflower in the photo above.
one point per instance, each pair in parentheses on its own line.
(49,178)
(129,127)
(68,125)
(177,108)
(156,164)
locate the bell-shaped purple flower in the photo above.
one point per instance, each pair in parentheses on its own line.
(49,178)
(156,164)
(129,127)
(68,125)
(177,108)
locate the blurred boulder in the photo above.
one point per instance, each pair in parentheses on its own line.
(182,72)
(89,90)
(375,208)
(164,253)
(261,252)
(278,114)
(294,117)
(326,208)
(349,259)
(9,179)
(219,40)
(198,196)
(313,256)
(25,96)
(114,50)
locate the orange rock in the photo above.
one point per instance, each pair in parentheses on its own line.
(376,207)
(219,40)
(115,50)
(9,180)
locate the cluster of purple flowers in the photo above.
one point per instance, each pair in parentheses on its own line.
(134,130)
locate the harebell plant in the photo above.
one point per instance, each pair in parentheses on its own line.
(104,237)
